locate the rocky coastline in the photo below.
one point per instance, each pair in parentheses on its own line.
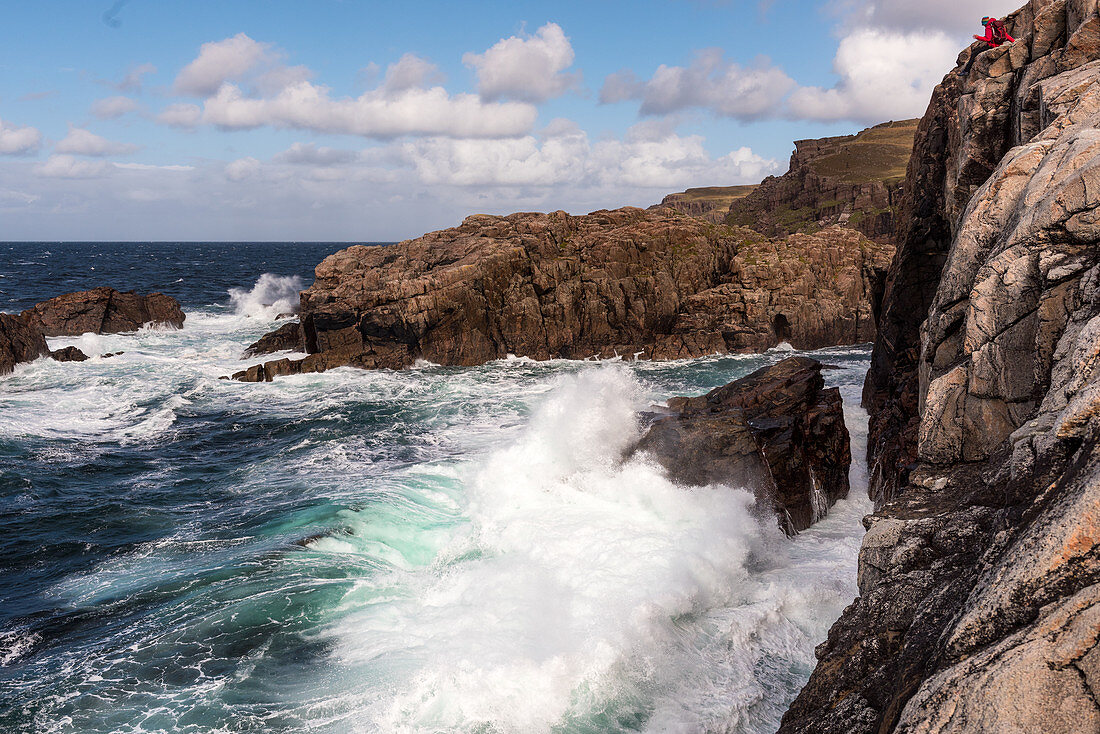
(979,576)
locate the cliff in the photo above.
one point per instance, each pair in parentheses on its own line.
(709,202)
(852,180)
(627,282)
(979,576)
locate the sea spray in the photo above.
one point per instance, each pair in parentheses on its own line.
(271,296)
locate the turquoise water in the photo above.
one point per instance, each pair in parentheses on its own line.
(436,549)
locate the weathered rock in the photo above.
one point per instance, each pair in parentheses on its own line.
(287,337)
(624,282)
(777,432)
(19,343)
(978,577)
(69,354)
(852,180)
(102,311)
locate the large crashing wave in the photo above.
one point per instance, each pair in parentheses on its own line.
(271,296)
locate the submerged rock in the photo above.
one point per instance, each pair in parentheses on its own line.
(626,282)
(979,607)
(19,343)
(102,311)
(776,432)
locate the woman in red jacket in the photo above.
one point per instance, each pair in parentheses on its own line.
(995,35)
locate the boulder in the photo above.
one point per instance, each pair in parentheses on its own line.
(777,432)
(627,282)
(102,311)
(19,343)
(69,354)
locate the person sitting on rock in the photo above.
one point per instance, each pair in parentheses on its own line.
(995,35)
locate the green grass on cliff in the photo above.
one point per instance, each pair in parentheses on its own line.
(717,194)
(878,154)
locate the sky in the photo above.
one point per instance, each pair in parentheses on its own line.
(343,120)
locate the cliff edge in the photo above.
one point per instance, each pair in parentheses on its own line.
(979,576)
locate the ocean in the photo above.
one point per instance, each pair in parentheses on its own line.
(431,550)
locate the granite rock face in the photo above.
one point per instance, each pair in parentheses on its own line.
(102,311)
(627,282)
(777,432)
(855,181)
(979,607)
(19,343)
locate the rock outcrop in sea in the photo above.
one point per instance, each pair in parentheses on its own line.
(102,311)
(979,576)
(19,342)
(628,282)
(777,432)
(853,180)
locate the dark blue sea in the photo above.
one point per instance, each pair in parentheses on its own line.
(430,550)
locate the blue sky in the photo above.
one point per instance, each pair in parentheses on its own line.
(362,121)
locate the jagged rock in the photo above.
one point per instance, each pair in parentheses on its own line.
(68,354)
(19,343)
(978,577)
(102,311)
(286,337)
(624,282)
(776,432)
(852,180)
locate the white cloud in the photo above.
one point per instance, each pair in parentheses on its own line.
(411,71)
(647,158)
(375,114)
(883,76)
(242,168)
(180,115)
(953,17)
(725,88)
(66,166)
(82,142)
(219,61)
(531,69)
(313,155)
(110,108)
(133,80)
(150,167)
(16,140)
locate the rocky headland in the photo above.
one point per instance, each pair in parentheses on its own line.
(777,432)
(855,181)
(979,576)
(657,285)
(98,311)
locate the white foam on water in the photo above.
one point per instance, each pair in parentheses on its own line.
(270,296)
(581,588)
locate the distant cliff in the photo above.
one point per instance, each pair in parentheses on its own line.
(710,202)
(979,577)
(853,180)
(625,282)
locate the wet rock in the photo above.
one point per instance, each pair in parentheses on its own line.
(287,337)
(102,311)
(19,343)
(68,354)
(776,432)
(625,282)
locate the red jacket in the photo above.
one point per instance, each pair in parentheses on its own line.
(988,37)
